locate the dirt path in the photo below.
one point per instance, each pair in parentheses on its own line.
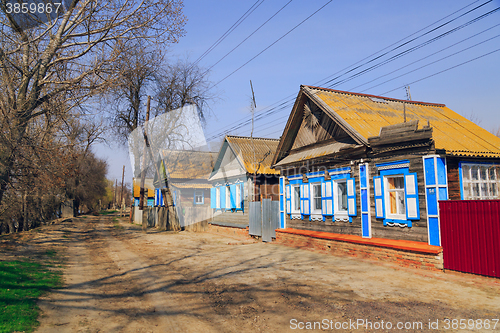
(121,280)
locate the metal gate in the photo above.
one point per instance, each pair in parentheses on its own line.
(264,219)
(470,230)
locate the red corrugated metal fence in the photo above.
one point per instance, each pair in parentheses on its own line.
(470,236)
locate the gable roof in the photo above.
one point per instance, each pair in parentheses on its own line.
(188,164)
(362,116)
(252,154)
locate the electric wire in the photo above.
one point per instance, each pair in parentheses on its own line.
(228,31)
(431,63)
(273,43)
(430,55)
(319,82)
(244,40)
(285,104)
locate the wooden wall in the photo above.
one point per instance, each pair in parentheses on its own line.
(453,179)
(418,231)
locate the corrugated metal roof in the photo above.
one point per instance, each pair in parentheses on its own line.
(252,151)
(191,185)
(187,164)
(453,133)
(314,152)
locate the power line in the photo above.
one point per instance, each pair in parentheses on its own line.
(244,40)
(431,63)
(319,82)
(405,52)
(258,54)
(430,55)
(228,31)
(284,104)
(411,40)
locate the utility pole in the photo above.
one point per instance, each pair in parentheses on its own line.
(122,203)
(123,177)
(408,98)
(143,173)
(114,199)
(253,106)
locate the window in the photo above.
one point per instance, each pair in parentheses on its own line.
(198,197)
(395,197)
(228,197)
(340,197)
(238,196)
(480,181)
(316,193)
(296,199)
(217,197)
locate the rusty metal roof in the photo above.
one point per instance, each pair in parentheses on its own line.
(251,151)
(367,114)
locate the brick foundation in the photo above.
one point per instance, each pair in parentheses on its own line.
(403,253)
(229,231)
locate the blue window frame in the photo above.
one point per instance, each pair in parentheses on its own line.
(396,194)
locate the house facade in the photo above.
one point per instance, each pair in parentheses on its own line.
(376,167)
(242,173)
(186,173)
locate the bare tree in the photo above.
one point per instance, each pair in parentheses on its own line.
(69,57)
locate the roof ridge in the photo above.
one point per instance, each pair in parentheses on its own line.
(375,96)
(248,137)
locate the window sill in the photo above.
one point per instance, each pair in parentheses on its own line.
(395,222)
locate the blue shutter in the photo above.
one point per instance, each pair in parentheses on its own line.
(242,196)
(223,197)
(213,200)
(232,196)
(351,197)
(411,197)
(305,207)
(378,190)
(327,198)
(289,199)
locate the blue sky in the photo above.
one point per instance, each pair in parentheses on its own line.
(335,38)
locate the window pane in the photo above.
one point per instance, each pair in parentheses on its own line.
(492,173)
(483,172)
(467,191)
(399,182)
(466,172)
(342,196)
(296,198)
(401,202)
(484,190)
(317,203)
(475,171)
(493,189)
(317,191)
(475,190)
(392,199)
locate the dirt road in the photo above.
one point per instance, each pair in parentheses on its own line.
(118,279)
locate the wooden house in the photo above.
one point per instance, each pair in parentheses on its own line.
(148,194)
(242,173)
(188,173)
(372,166)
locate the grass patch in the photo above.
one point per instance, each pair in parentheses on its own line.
(50,253)
(107,212)
(21,284)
